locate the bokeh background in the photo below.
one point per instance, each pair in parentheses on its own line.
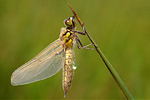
(120,28)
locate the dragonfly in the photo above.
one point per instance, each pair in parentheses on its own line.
(56,56)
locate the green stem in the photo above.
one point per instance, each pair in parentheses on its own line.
(115,75)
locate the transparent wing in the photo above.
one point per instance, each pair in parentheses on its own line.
(47,63)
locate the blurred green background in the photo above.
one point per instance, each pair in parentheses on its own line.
(120,28)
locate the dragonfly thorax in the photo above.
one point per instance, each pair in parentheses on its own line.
(67,37)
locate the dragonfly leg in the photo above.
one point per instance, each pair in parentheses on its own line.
(80,44)
(82,33)
(83,28)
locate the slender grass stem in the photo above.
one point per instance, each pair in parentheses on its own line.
(115,75)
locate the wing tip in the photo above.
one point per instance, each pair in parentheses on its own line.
(13,83)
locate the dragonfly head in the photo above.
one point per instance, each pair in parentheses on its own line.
(70,22)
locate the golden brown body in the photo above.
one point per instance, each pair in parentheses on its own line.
(67,37)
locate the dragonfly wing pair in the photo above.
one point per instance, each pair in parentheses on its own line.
(46,64)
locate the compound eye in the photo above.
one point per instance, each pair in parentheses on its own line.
(68,21)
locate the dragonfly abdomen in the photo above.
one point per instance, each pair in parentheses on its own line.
(68,70)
